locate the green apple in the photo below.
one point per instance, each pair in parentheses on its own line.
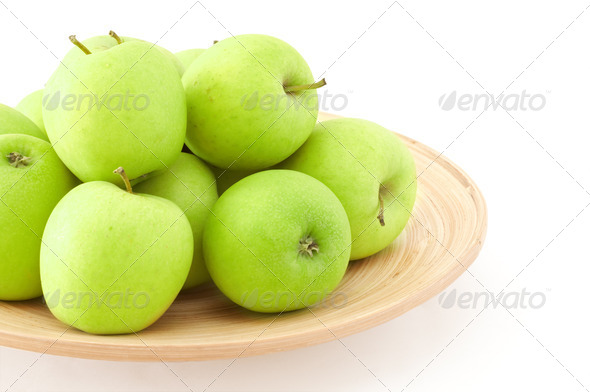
(13,121)
(191,185)
(251,102)
(226,178)
(31,106)
(367,167)
(32,181)
(101,43)
(187,57)
(136,119)
(278,240)
(113,261)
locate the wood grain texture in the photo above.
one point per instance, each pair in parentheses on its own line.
(438,244)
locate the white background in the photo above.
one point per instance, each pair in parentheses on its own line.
(393,61)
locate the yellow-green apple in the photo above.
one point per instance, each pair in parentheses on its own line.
(191,185)
(251,102)
(32,181)
(113,261)
(277,240)
(31,106)
(121,106)
(370,170)
(187,57)
(13,121)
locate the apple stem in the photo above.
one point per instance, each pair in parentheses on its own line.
(307,245)
(215,41)
(120,171)
(304,87)
(381,211)
(116,36)
(17,159)
(79,44)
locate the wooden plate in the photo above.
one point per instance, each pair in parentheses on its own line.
(442,239)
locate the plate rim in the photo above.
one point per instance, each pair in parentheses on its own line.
(177,352)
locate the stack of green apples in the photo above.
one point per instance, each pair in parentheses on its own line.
(137,173)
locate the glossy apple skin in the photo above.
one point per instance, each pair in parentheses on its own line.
(251,242)
(187,57)
(29,194)
(101,239)
(12,121)
(31,106)
(142,135)
(358,159)
(239,115)
(190,184)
